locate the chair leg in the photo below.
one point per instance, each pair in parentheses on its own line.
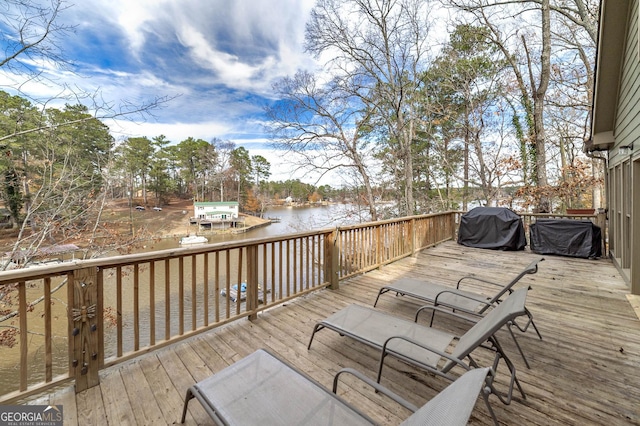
(433,317)
(383,354)
(380,293)
(530,322)
(316,328)
(485,395)
(514,380)
(533,323)
(518,345)
(187,398)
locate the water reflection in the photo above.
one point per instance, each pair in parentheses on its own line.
(291,219)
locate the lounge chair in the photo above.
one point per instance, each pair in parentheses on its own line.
(465,301)
(263,389)
(425,347)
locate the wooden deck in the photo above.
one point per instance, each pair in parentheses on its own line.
(585,371)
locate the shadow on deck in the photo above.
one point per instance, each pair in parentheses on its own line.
(585,371)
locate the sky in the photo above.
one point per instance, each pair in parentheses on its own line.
(218,59)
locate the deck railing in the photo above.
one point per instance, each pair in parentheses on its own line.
(73,319)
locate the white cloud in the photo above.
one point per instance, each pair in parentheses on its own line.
(175,132)
(243,44)
(228,68)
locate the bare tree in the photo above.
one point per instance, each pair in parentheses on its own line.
(323,126)
(32,34)
(582,13)
(541,80)
(223,169)
(377,48)
(539,92)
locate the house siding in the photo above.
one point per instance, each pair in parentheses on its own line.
(216,210)
(623,168)
(627,125)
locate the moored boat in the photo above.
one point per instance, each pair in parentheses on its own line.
(193,239)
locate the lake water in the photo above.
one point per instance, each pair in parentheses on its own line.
(291,220)
(297,219)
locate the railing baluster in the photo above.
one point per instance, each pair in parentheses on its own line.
(272,282)
(345,263)
(354,251)
(227,275)
(136,307)
(295,266)
(265,281)
(392,235)
(24,341)
(194,299)
(239,282)
(359,248)
(152,303)
(280,268)
(217,285)
(118,310)
(370,248)
(167,299)
(252,297)
(48,355)
(100,323)
(309,268)
(364,240)
(393,241)
(378,254)
(314,240)
(181,295)
(205,289)
(288,270)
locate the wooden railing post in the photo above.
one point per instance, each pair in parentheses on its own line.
(331,258)
(601,221)
(252,281)
(84,360)
(379,246)
(452,216)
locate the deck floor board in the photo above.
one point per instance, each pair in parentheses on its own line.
(585,371)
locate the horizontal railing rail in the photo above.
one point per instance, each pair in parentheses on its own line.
(68,321)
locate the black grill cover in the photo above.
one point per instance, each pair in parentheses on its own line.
(492,228)
(566,237)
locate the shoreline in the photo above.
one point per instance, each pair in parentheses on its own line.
(185,229)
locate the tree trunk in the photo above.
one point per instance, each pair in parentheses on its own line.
(544,204)
(465,188)
(144,189)
(408,177)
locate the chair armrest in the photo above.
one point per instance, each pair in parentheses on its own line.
(471,277)
(425,347)
(479,299)
(449,312)
(377,386)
